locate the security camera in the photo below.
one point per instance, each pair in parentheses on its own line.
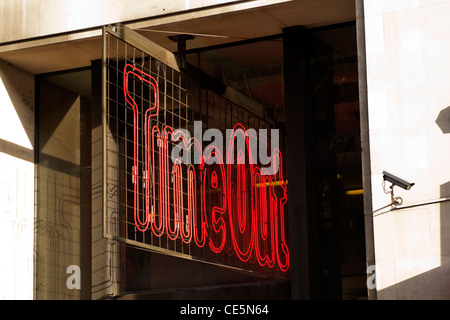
(397,181)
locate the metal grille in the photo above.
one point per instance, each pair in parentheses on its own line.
(151,202)
(125,150)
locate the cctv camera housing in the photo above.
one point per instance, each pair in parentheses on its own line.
(397,181)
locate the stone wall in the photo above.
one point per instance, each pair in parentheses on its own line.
(408,97)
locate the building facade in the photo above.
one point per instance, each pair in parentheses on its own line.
(122,176)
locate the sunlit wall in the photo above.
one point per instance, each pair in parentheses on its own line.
(408,81)
(16,183)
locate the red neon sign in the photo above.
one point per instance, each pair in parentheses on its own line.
(247,212)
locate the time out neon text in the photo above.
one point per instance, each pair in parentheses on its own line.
(246,203)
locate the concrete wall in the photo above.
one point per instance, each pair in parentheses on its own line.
(37,18)
(58,200)
(16,182)
(408,81)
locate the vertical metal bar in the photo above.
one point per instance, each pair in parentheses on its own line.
(365,154)
(103,106)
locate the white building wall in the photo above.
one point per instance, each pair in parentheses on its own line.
(16,183)
(408,92)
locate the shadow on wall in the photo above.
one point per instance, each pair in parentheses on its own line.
(433,284)
(17,112)
(443,120)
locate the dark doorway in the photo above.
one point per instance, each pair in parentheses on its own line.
(324,151)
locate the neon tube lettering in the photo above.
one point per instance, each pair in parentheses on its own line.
(248,209)
(238,210)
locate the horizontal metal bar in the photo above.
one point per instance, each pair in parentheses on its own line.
(423,203)
(154,249)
